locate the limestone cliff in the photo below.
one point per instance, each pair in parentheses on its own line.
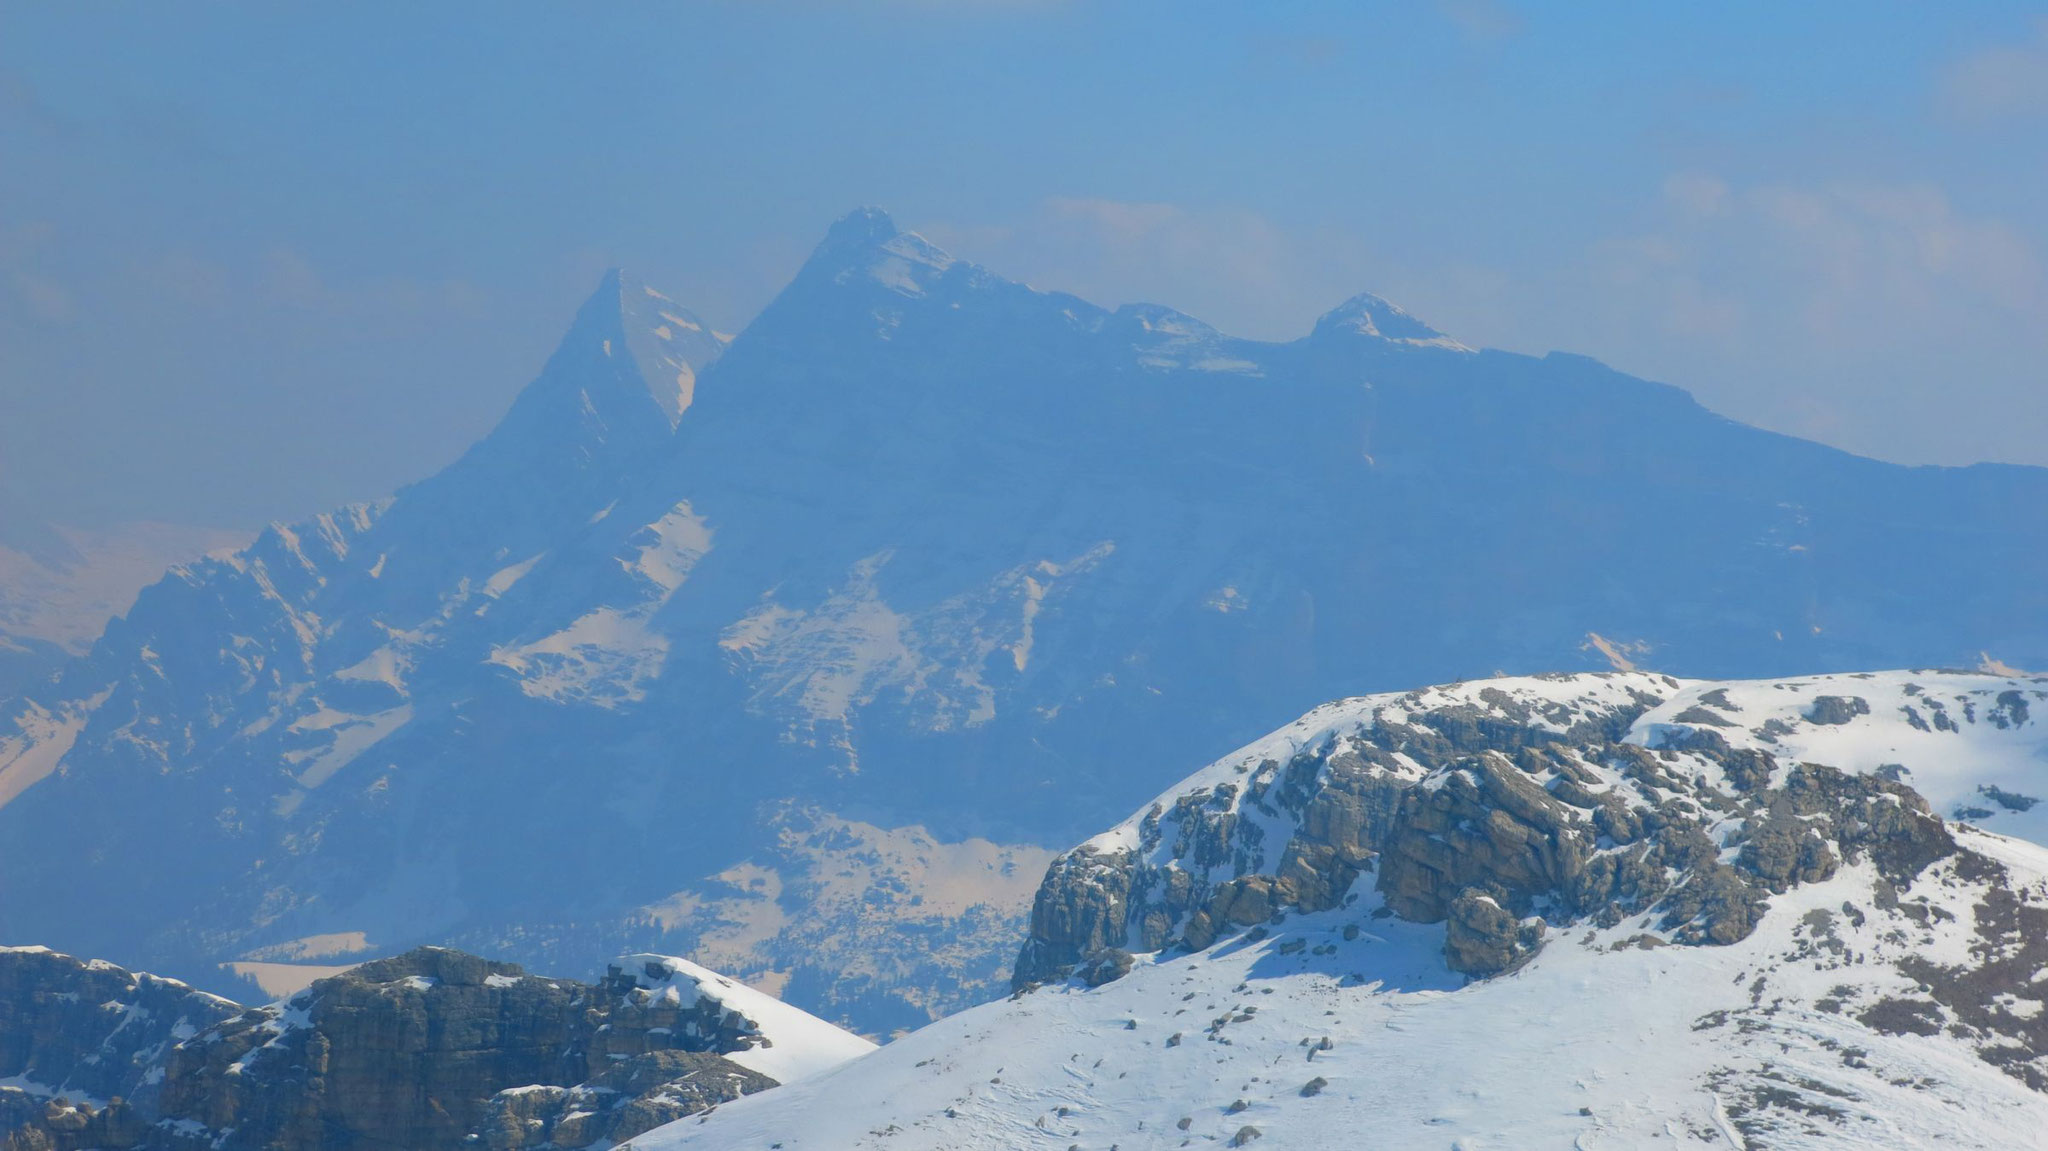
(1506,809)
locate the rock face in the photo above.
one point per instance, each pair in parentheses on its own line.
(82,1045)
(1506,810)
(638,1094)
(937,554)
(431,1049)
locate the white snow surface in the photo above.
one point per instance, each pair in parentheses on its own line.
(797,1045)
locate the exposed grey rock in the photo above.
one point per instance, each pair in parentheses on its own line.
(90,1030)
(622,1101)
(1837,709)
(1106,966)
(1484,938)
(428,1050)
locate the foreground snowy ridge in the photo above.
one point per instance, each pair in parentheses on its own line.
(1680,913)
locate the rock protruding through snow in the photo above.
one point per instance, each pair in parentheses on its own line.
(1506,809)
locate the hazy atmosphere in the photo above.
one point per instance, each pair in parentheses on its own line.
(1023,575)
(259,261)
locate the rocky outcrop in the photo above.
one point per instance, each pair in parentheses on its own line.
(431,1049)
(623,1100)
(409,1052)
(89,1030)
(1499,813)
(1480,935)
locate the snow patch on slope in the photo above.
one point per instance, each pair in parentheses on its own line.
(42,740)
(814,667)
(608,655)
(342,739)
(796,1044)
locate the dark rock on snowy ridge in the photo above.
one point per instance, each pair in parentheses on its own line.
(1505,808)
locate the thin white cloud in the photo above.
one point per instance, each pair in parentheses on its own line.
(2008,80)
(1880,317)
(1483,19)
(1231,267)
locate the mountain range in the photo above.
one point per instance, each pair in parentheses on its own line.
(803,651)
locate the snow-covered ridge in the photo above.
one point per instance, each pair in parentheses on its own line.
(784,1043)
(705,1009)
(1974,744)
(1954,736)
(1550,704)
(433,1048)
(1622,786)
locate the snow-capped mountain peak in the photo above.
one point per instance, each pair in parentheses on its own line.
(616,385)
(1366,314)
(865,246)
(864,226)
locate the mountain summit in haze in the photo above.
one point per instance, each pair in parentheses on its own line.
(800,653)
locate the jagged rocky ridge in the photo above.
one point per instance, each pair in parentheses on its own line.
(431,1049)
(1569,911)
(839,628)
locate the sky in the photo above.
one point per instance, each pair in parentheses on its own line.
(260,260)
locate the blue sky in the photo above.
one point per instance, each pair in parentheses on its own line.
(257,260)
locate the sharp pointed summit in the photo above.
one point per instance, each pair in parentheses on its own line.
(866,247)
(1366,314)
(862,226)
(624,374)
